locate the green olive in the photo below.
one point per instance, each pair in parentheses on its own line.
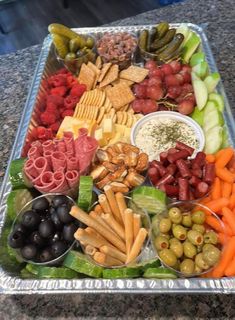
(195,237)
(168,257)
(176,247)
(70,56)
(210,237)
(197,269)
(165,235)
(187,266)
(90,42)
(208,246)
(199,248)
(165,225)
(175,215)
(198,217)
(187,220)
(211,256)
(74,45)
(189,249)
(179,232)
(200,262)
(199,227)
(161,242)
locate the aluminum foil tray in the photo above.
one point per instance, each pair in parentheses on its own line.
(12,283)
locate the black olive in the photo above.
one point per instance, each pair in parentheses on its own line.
(46,228)
(16,239)
(40,204)
(37,239)
(63,214)
(68,232)
(56,237)
(59,200)
(19,227)
(29,251)
(58,224)
(58,248)
(45,255)
(31,220)
(52,210)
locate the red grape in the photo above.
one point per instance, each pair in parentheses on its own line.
(187,88)
(187,76)
(137,105)
(180,78)
(176,66)
(151,64)
(171,80)
(154,81)
(174,91)
(186,68)
(185,107)
(167,69)
(145,82)
(156,73)
(149,106)
(140,91)
(155,92)
(192,98)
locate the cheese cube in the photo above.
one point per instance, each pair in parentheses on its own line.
(73,125)
(108,128)
(100,137)
(119,128)
(117,137)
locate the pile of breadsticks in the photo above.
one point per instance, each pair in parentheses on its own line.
(114,235)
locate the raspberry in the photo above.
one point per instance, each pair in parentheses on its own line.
(71,80)
(78,90)
(60,91)
(67,112)
(47,118)
(58,80)
(62,71)
(70,102)
(34,133)
(51,107)
(55,126)
(44,133)
(57,100)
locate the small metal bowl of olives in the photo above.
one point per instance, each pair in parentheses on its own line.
(183,240)
(42,232)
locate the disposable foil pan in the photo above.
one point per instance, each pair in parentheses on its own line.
(13,284)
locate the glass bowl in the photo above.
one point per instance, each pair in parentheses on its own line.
(145,222)
(185,208)
(56,261)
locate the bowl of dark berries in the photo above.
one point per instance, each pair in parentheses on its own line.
(43,231)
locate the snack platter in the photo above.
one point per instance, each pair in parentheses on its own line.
(13,283)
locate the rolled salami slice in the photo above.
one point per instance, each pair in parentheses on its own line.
(48,154)
(61,147)
(61,183)
(46,182)
(48,145)
(34,153)
(41,164)
(72,163)
(37,144)
(69,142)
(30,169)
(58,160)
(72,178)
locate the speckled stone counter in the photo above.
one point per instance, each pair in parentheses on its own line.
(218,19)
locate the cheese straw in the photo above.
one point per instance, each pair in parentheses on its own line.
(114,225)
(98,209)
(113,252)
(121,204)
(82,216)
(135,250)
(106,260)
(90,239)
(128,229)
(92,231)
(104,203)
(113,204)
(102,221)
(136,224)
(90,250)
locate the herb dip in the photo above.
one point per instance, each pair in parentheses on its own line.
(159,135)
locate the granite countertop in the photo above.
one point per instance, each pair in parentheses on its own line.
(217,17)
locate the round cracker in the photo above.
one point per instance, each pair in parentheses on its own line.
(100,114)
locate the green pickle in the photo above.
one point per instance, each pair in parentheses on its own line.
(89,42)
(60,29)
(143,39)
(61,45)
(74,45)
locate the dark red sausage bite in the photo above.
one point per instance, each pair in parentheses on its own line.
(183,168)
(166,179)
(171,191)
(183,189)
(199,161)
(209,173)
(201,189)
(182,154)
(182,146)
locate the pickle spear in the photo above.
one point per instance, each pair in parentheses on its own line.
(60,29)
(162,29)
(61,44)
(143,38)
(171,47)
(159,43)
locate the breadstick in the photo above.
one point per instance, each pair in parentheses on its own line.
(114,225)
(128,229)
(113,253)
(121,203)
(135,250)
(136,224)
(106,260)
(90,239)
(102,221)
(90,250)
(98,209)
(113,204)
(82,216)
(104,204)
(92,231)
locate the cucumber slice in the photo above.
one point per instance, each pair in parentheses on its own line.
(152,263)
(198,116)
(121,273)
(200,92)
(51,272)
(201,69)
(16,200)
(32,268)
(218,99)
(225,138)
(149,198)
(25,274)
(214,138)
(213,119)
(210,107)
(159,273)
(211,81)
(197,58)
(85,196)
(190,46)
(17,176)
(80,263)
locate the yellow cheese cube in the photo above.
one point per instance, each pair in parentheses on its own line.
(108,128)
(120,128)
(100,137)
(73,125)
(117,137)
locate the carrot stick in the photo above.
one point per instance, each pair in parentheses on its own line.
(230,270)
(217,205)
(232,201)
(206,200)
(216,189)
(223,238)
(210,158)
(206,275)
(217,226)
(224,157)
(226,189)
(226,258)
(218,154)
(233,188)
(225,175)
(228,214)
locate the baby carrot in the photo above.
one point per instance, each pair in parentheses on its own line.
(210,158)
(233,188)
(226,189)
(216,189)
(218,154)
(232,201)
(217,226)
(224,157)
(226,258)
(229,216)
(230,270)
(217,205)
(223,238)
(224,174)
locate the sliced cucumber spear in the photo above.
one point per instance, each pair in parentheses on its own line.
(218,99)
(198,116)
(201,69)
(213,119)
(201,93)
(197,58)
(211,81)
(214,139)
(190,46)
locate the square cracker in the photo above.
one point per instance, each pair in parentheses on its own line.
(104,70)
(86,76)
(97,71)
(110,76)
(120,95)
(134,73)
(98,62)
